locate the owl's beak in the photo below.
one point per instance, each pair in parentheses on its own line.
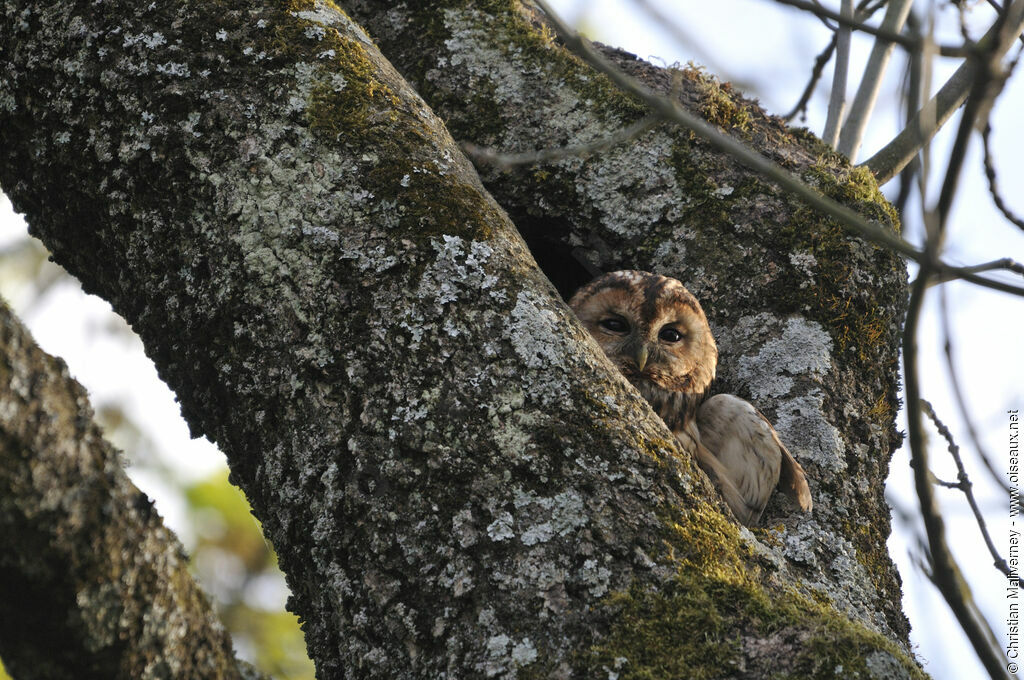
(640,357)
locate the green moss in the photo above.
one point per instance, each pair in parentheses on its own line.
(349,108)
(856,320)
(853,186)
(351,105)
(718,592)
(719,104)
(436,204)
(364,100)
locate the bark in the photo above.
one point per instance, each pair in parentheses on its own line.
(456,482)
(92,585)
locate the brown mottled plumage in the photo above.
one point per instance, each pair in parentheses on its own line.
(655,332)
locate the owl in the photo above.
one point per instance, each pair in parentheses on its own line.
(655,332)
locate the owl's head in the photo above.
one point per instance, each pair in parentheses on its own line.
(652,328)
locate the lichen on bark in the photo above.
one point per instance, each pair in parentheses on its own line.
(455,479)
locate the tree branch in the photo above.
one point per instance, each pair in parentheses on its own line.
(91,582)
(671,110)
(883,32)
(871,82)
(945,571)
(819,67)
(894,156)
(837,97)
(864,11)
(453,476)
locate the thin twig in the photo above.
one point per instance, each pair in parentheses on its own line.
(824,20)
(816,71)
(1002,264)
(966,274)
(912,86)
(946,573)
(961,12)
(857,25)
(964,484)
(864,11)
(958,392)
(990,173)
(986,72)
(491,156)
(941,482)
(671,110)
(999,8)
(895,155)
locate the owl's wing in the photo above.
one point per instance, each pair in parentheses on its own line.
(749,449)
(792,479)
(724,479)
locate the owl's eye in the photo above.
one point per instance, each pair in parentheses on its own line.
(669,334)
(614,325)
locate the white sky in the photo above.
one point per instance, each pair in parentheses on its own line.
(767,50)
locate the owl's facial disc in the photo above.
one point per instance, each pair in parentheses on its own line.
(652,328)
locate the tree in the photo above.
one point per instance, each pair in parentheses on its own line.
(454,478)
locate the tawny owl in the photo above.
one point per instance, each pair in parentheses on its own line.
(655,332)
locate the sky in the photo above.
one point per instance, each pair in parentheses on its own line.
(766,50)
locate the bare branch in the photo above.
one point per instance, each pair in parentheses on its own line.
(993,187)
(837,98)
(945,573)
(958,394)
(986,85)
(964,484)
(830,25)
(892,158)
(943,483)
(966,274)
(912,87)
(864,11)
(816,71)
(882,32)
(867,93)
(671,110)
(1002,264)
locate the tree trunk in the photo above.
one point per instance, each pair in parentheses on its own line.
(456,481)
